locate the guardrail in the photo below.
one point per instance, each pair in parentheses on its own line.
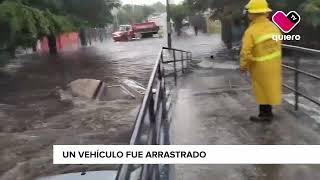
(298,71)
(151,125)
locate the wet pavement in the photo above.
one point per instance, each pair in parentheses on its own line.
(212,107)
(215,106)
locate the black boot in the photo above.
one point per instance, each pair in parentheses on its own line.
(265,114)
(261,118)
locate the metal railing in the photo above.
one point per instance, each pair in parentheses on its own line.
(151,125)
(184,56)
(297,72)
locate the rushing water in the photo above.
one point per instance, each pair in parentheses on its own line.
(35,114)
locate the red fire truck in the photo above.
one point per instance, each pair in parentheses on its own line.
(135,31)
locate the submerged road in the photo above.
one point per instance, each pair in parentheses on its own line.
(35,112)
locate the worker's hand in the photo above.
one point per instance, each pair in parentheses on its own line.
(243,71)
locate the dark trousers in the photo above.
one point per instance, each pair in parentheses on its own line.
(265,110)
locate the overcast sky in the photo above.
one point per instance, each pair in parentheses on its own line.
(148,1)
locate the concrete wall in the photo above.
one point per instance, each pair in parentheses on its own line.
(64,42)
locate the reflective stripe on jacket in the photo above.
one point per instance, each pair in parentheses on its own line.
(261,40)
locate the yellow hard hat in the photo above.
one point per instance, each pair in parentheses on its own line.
(258,6)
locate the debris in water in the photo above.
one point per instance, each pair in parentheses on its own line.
(134,85)
(97,89)
(84,87)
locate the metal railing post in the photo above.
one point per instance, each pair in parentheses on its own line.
(188,56)
(156,172)
(153,123)
(296,82)
(163,73)
(182,61)
(175,66)
(296,89)
(153,108)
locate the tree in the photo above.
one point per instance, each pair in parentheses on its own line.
(23,22)
(178,13)
(95,12)
(310,25)
(201,5)
(159,7)
(21,25)
(129,14)
(311,12)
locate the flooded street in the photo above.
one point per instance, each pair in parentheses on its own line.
(35,113)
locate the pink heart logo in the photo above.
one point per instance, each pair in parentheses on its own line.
(286,22)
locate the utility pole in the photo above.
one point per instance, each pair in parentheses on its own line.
(133,6)
(169,24)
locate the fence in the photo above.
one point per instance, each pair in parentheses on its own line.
(297,72)
(151,126)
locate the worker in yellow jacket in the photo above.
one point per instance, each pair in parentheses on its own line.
(261,56)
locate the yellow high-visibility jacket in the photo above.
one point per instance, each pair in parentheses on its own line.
(262,57)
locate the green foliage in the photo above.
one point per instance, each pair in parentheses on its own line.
(24,25)
(90,12)
(27,34)
(55,6)
(129,14)
(178,13)
(93,12)
(9,24)
(310,9)
(159,7)
(201,5)
(40,21)
(23,22)
(311,12)
(18,23)
(58,24)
